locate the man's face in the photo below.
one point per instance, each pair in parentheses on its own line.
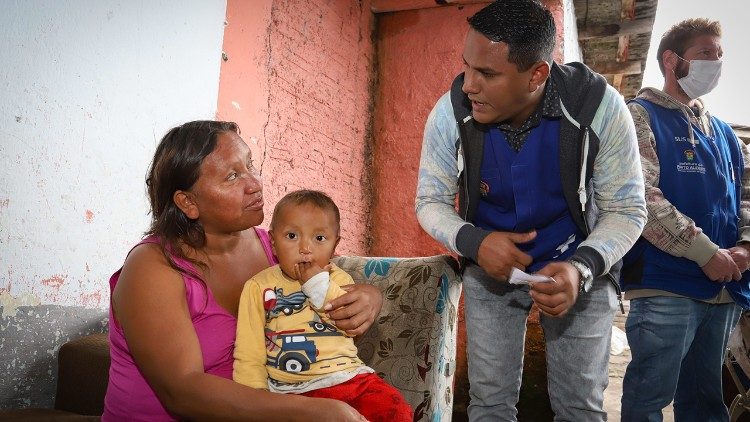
(702,47)
(497,90)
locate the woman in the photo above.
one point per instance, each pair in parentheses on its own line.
(174,302)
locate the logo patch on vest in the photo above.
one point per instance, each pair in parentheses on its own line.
(690,165)
(685,139)
(484,188)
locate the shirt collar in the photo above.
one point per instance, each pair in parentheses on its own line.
(548,107)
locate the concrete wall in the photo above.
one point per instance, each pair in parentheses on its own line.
(89,88)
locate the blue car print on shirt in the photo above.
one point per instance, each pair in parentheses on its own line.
(276,303)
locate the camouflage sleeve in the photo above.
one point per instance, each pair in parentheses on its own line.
(667,228)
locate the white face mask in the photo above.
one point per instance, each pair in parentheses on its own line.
(702,77)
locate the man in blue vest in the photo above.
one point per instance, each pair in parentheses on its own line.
(544,162)
(686,296)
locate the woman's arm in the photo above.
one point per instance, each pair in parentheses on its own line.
(355,311)
(149,303)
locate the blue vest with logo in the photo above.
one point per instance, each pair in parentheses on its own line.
(522,191)
(703,182)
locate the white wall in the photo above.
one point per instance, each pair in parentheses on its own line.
(87,88)
(571,48)
(729,100)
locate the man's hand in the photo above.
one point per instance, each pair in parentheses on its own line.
(721,267)
(556,297)
(498,253)
(741,256)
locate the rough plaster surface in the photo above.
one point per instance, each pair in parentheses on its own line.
(419,54)
(307,117)
(30,340)
(87,90)
(244,82)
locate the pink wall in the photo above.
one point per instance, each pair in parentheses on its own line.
(298,81)
(557,8)
(419,54)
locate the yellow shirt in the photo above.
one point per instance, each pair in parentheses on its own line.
(282,336)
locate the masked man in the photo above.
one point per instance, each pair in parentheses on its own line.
(686,296)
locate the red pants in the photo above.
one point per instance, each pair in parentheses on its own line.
(374,398)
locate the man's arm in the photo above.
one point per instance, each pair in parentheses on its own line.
(618,192)
(667,228)
(437,187)
(618,187)
(437,182)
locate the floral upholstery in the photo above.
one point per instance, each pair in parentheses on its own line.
(412,345)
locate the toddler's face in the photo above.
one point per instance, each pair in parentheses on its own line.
(304,233)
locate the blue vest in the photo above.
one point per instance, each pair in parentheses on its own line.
(703,182)
(522,191)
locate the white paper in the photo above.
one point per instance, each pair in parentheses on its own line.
(519,277)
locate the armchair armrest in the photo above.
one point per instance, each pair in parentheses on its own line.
(82,375)
(412,344)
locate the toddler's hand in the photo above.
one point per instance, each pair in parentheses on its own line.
(304,271)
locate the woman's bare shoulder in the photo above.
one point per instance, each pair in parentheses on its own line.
(146,266)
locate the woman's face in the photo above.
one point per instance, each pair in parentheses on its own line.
(228,193)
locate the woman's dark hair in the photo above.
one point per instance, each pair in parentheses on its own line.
(525,25)
(176,166)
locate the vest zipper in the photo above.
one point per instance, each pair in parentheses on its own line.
(582,196)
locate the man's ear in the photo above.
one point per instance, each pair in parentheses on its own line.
(185,201)
(539,74)
(669,59)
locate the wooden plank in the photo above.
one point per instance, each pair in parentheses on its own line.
(628,10)
(617,82)
(614,68)
(383,6)
(623,46)
(640,26)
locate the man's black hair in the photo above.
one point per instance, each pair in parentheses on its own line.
(525,25)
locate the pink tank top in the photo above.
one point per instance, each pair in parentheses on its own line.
(129,397)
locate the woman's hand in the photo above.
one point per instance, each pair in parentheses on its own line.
(356,310)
